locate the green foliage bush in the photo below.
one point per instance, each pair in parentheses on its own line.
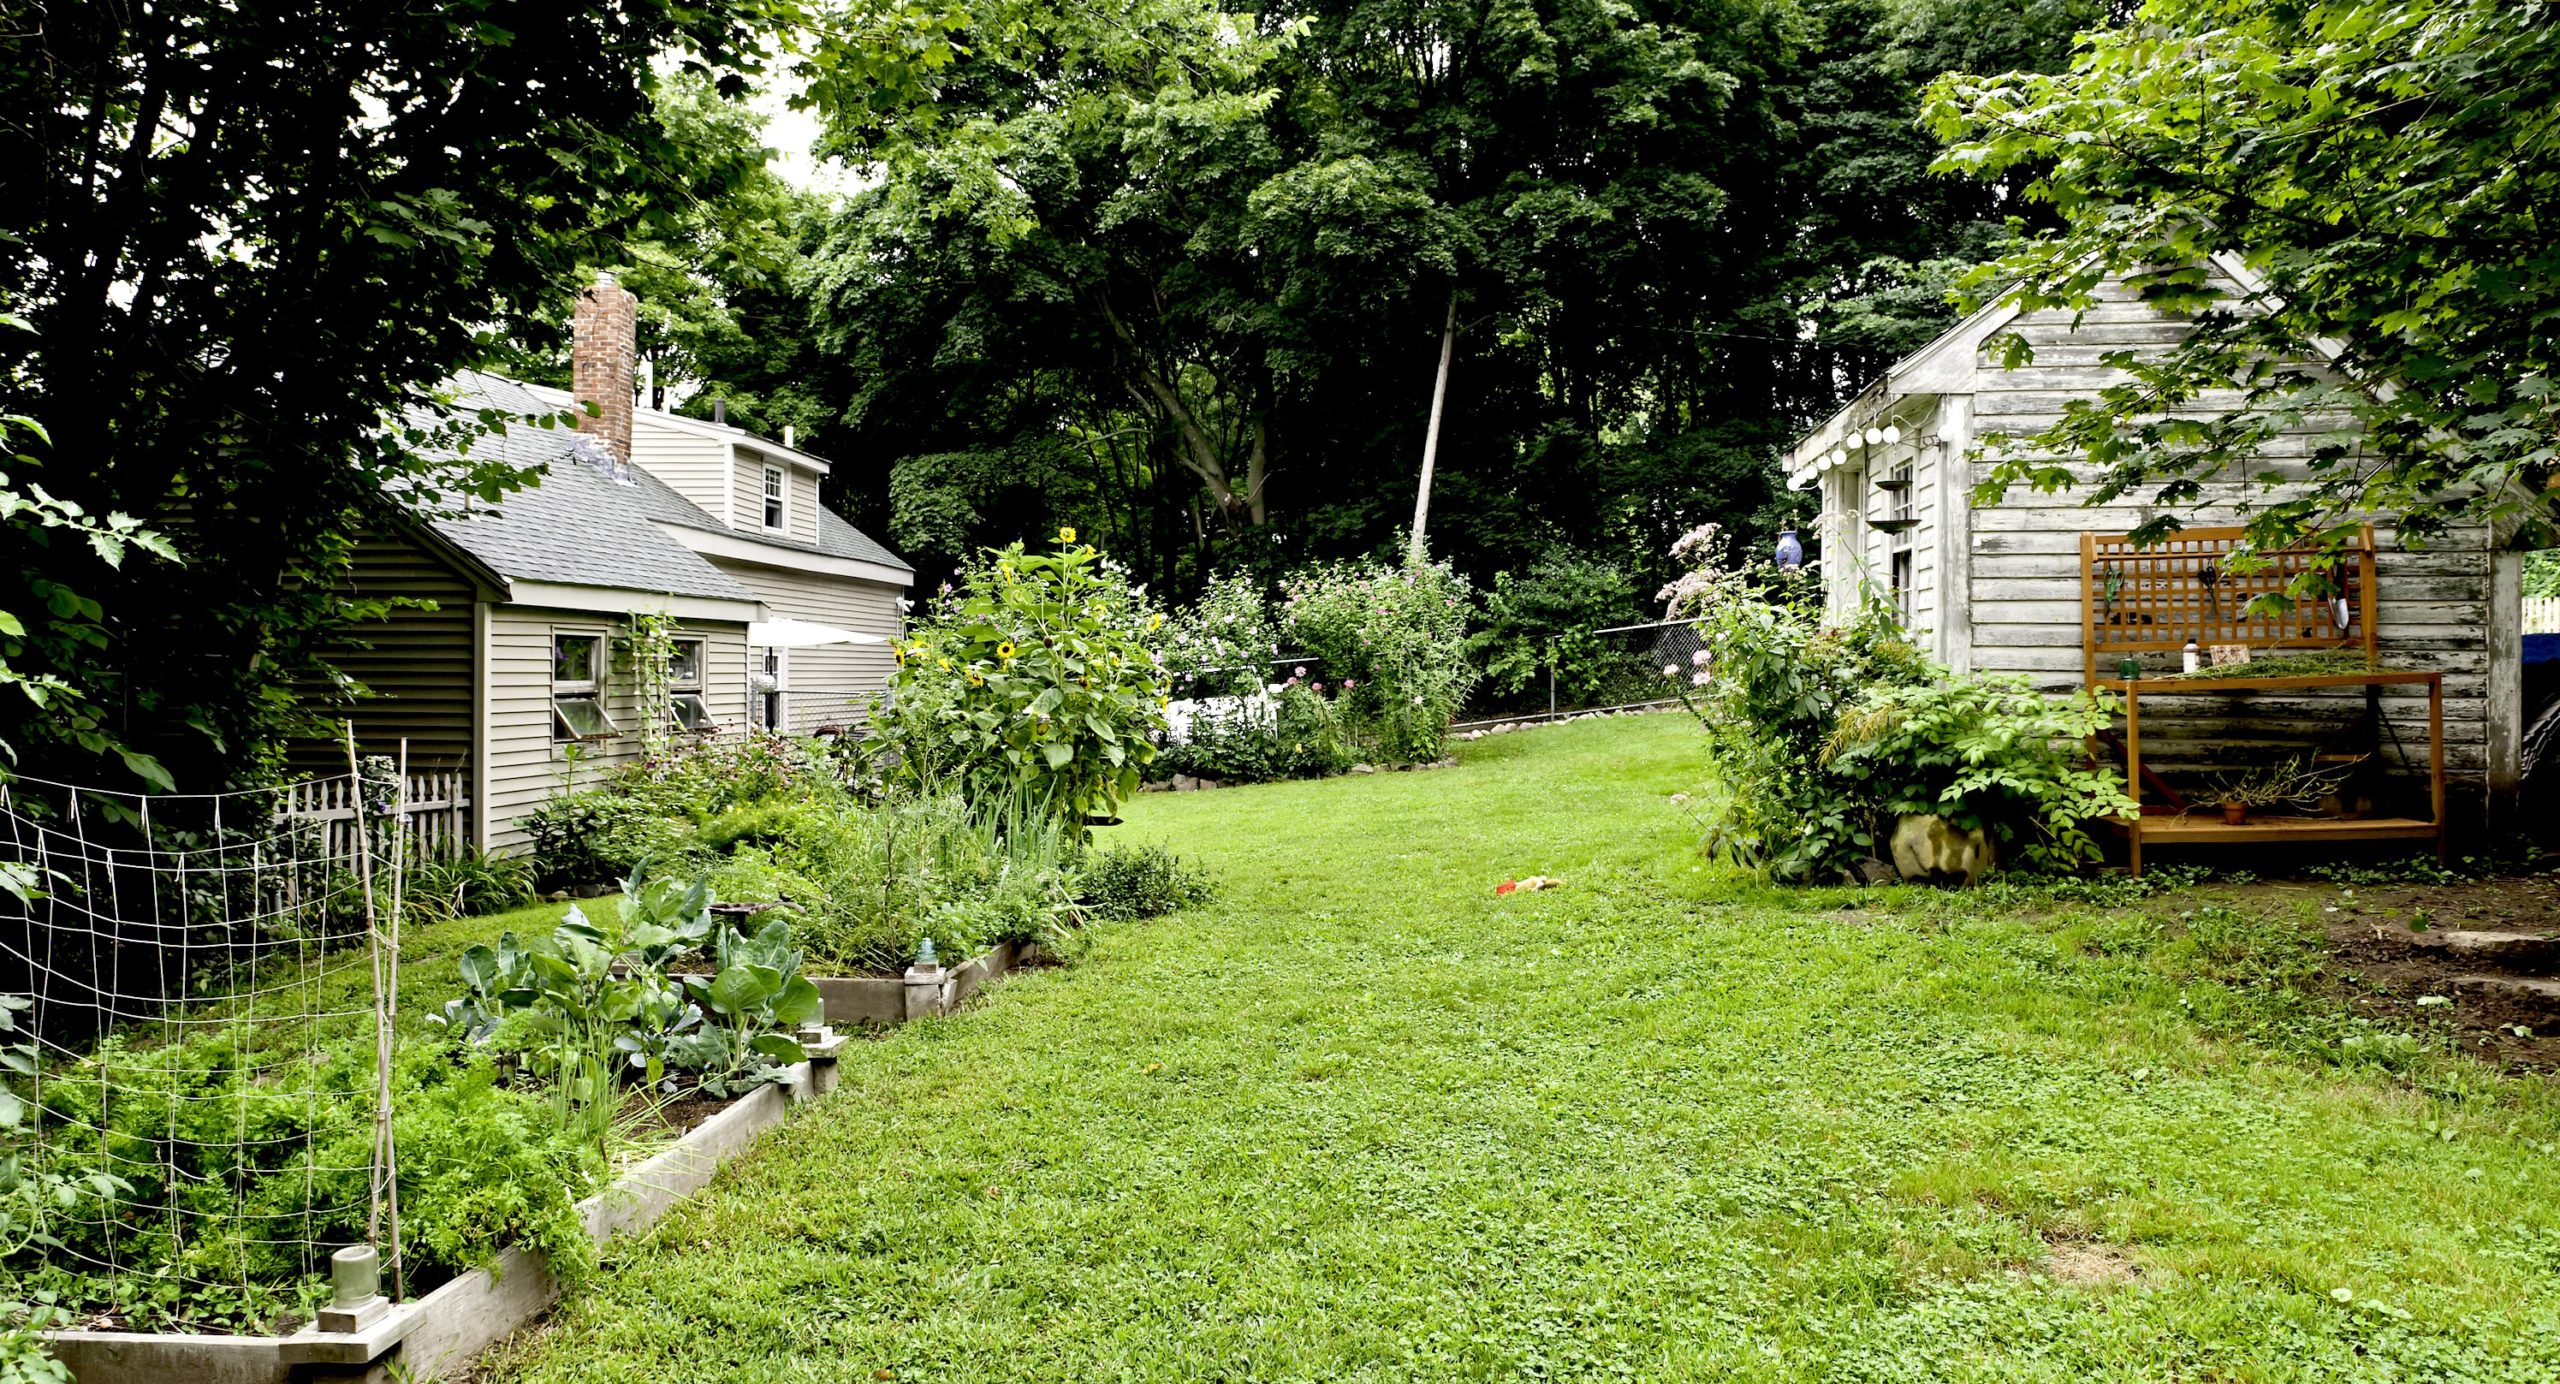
(1131,882)
(1546,613)
(1393,642)
(597,1005)
(472,883)
(1986,753)
(602,833)
(1821,731)
(256,1135)
(1241,745)
(1035,685)
(872,885)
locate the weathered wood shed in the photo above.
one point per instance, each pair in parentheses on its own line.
(2000,588)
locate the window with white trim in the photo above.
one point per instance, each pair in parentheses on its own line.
(777,496)
(577,686)
(684,687)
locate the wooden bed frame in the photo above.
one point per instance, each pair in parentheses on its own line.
(2135,601)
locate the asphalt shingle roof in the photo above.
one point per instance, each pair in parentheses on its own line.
(644,496)
(576,525)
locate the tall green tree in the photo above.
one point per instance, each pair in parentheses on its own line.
(2385,172)
(1183,283)
(252,239)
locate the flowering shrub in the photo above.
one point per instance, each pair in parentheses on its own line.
(1395,641)
(1821,732)
(1222,646)
(1036,684)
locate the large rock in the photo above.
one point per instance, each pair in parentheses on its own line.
(1929,849)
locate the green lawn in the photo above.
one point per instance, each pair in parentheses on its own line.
(1361,1119)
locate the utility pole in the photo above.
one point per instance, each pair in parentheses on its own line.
(1417,553)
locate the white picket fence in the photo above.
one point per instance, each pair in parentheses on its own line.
(2542,614)
(435,813)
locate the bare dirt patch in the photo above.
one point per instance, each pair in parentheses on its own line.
(2387,958)
(2089,1264)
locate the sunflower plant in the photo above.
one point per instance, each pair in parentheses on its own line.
(1036,684)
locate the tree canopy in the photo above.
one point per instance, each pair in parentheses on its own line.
(1177,275)
(251,239)
(2383,173)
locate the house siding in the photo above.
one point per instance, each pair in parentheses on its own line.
(415,663)
(829,685)
(693,466)
(800,511)
(526,766)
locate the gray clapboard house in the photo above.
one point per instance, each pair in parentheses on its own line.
(2012,588)
(508,663)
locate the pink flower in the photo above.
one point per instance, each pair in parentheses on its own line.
(1319,687)
(1349,683)
(1302,671)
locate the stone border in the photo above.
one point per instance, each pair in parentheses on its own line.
(443,1332)
(885,1000)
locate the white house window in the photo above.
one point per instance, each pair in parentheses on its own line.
(776,492)
(684,687)
(577,686)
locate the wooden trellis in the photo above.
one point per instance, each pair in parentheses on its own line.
(2137,600)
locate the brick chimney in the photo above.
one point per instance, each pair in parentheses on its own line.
(605,343)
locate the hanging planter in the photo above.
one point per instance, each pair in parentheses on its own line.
(1893,525)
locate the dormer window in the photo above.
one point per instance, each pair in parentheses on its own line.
(776,494)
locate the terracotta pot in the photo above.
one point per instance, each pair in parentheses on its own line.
(2235,814)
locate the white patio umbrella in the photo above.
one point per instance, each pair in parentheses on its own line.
(804,634)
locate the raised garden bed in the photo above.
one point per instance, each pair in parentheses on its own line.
(439,1335)
(885,1000)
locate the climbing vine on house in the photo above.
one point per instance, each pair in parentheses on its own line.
(648,641)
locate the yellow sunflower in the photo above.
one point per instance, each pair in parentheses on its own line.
(1066,535)
(1004,650)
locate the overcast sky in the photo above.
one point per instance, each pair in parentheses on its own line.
(790,133)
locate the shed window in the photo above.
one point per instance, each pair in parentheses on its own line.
(776,491)
(1900,563)
(577,686)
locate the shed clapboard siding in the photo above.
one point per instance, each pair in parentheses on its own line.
(2431,605)
(526,766)
(2015,565)
(831,684)
(415,664)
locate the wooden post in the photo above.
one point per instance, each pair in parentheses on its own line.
(2364,610)
(2089,609)
(2133,774)
(2435,756)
